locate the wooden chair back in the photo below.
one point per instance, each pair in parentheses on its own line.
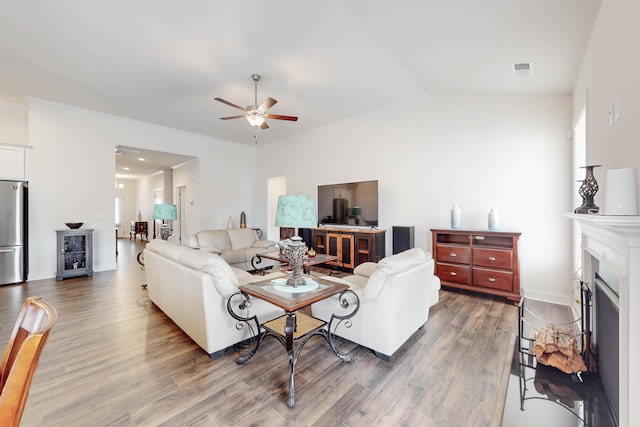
(21,357)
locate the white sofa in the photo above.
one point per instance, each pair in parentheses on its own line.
(395,296)
(237,246)
(192,287)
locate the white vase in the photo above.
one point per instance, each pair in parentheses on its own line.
(455,216)
(494,219)
(230,223)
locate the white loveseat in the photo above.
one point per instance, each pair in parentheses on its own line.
(237,246)
(192,287)
(395,296)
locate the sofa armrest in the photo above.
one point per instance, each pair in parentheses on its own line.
(264,244)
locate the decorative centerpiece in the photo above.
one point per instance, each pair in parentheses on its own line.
(296,211)
(74,225)
(588,191)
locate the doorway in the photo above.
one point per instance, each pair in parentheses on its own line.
(276,187)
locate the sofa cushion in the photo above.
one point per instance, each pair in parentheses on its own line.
(224,278)
(234,257)
(242,238)
(391,265)
(402,261)
(365,269)
(168,250)
(214,240)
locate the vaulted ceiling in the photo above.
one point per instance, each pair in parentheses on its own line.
(164,62)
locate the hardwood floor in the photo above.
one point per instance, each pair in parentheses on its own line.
(115,359)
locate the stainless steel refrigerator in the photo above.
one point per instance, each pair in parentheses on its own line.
(14,265)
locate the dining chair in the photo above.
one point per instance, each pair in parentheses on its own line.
(21,356)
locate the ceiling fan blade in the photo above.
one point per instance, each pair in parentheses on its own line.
(279,117)
(264,126)
(268,103)
(233,117)
(230,104)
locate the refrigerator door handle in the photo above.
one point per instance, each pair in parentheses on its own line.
(7,249)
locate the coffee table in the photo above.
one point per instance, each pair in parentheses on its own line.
(293,326)
(306,262)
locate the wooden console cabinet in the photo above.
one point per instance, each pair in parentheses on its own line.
(480,261)
(139,227)
(351,246)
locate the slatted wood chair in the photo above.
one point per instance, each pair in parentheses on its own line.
(21,357)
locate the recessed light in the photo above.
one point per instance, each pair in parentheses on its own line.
(141,159)
(125,168)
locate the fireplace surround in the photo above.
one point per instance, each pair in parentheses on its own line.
(612,243)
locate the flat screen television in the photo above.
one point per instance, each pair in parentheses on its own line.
(351,203)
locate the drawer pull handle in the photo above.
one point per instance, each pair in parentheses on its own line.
(491,279)
(452,255)
(492,258)
(453,273)
(479,237)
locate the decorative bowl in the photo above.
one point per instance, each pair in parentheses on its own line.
(74,225)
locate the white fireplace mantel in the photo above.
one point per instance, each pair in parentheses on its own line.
(615,240)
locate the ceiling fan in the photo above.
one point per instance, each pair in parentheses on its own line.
(256,114)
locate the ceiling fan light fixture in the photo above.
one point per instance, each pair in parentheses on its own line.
(255,119)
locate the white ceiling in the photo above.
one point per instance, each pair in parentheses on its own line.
(163,61)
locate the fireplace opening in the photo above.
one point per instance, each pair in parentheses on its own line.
(607,336)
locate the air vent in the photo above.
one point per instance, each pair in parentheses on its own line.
(126,152)
(522,69)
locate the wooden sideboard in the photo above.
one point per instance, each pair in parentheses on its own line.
(351,246)
(478,260)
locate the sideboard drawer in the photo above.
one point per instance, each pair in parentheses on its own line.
(453,273)
(452,253)
(493,279)
(493,258)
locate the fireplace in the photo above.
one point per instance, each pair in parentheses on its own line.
(610,253)
(606,337)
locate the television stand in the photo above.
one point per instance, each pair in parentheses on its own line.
(352,246)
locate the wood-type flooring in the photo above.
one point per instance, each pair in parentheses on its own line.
(114,359)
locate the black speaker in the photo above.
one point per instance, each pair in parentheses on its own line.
(403,238)
(305,234)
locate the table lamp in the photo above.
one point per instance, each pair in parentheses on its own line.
(164,212)
(356,211)
(296,211)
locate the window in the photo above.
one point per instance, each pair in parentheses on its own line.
(119,210)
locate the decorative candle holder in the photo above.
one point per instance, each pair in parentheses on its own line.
(588,191)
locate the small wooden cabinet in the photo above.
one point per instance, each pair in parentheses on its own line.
(75,253)
(351,246)
(481,261)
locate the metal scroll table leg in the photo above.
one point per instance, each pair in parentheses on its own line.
(243,303)
(256,260)
(289,330)
(344,320)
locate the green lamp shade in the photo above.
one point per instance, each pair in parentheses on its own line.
(165,211)
(296,211)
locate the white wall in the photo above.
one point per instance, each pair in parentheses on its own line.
(609,72)
(511,153)
(71,173)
